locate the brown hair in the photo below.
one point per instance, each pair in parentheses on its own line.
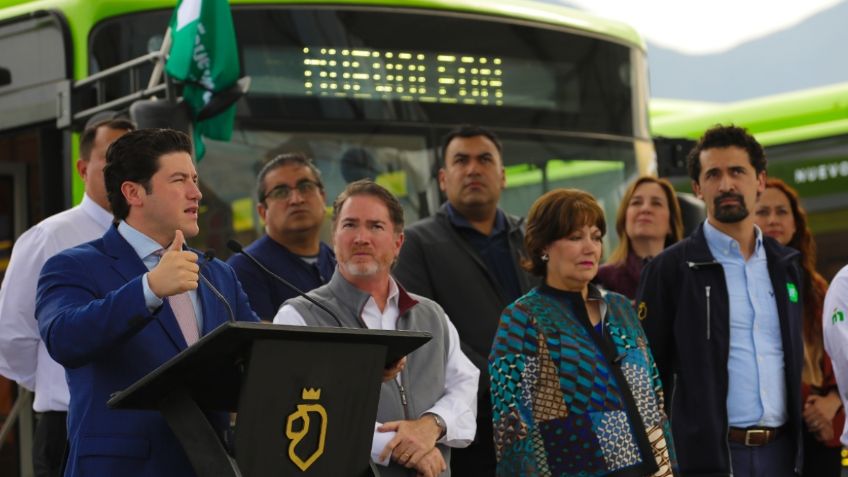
(369,187)
(135,157)
(554,216)
(675,218)
(720,136)
(814,286)
(90,133)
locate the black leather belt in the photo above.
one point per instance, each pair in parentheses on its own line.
(754,436)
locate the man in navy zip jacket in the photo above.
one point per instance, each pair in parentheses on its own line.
(290,200)
(722,312)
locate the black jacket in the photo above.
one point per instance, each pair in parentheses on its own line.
(682,300)
(438,263)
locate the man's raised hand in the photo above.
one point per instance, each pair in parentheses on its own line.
(177,271)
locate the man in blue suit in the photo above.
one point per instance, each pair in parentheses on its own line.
(112,310)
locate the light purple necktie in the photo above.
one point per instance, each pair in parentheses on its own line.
(184,312)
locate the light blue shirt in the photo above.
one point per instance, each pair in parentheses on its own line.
(145,247)
(756,392)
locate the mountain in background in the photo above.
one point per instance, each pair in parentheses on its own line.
(810,54)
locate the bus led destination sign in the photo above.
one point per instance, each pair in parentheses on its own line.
(404,75)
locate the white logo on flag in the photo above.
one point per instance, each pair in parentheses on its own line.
(188,12)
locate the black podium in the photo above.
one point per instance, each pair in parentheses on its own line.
(306,397)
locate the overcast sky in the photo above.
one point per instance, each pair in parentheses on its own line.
(704,26)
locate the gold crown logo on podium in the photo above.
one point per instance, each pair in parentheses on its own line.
(311,394)
(297,433)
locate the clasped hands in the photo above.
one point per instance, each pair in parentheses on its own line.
(414,445)
(819,412)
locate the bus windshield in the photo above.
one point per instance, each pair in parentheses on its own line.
(368,101)
(310,63)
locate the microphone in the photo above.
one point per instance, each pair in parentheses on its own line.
(237,248)
(209,255)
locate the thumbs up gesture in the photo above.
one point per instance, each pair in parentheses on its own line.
(177,271)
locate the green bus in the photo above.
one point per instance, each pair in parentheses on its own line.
(364,87)
(805,135)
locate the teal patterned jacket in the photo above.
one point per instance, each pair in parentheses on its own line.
(569,401)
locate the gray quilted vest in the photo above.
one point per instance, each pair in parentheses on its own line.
(423,378)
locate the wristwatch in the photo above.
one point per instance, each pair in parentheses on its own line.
(439,422)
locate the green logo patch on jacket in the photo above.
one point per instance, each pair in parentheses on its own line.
(838,316)
(793,292)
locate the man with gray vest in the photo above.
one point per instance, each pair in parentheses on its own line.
(431,405)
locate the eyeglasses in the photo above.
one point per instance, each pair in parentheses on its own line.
(283,191)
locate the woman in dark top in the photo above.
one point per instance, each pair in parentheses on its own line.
(780,216)
(648,221)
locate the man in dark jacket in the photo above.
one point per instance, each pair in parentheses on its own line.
(722,312)
(466,258)
(290,201)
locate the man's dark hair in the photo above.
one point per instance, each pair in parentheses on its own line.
(466,131)
(294,158)
(90,133)
(720,136)
(369,187)
(135,157)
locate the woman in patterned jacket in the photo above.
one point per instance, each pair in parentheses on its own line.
(575,391)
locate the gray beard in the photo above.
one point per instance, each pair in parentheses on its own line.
(362,270)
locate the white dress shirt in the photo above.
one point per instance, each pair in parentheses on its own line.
(835,328)
(457,406)
(23,357)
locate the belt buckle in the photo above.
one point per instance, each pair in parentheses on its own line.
(754,432)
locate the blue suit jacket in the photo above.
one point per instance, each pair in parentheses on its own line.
(93,319)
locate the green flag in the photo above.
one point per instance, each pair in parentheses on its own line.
(204,56)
